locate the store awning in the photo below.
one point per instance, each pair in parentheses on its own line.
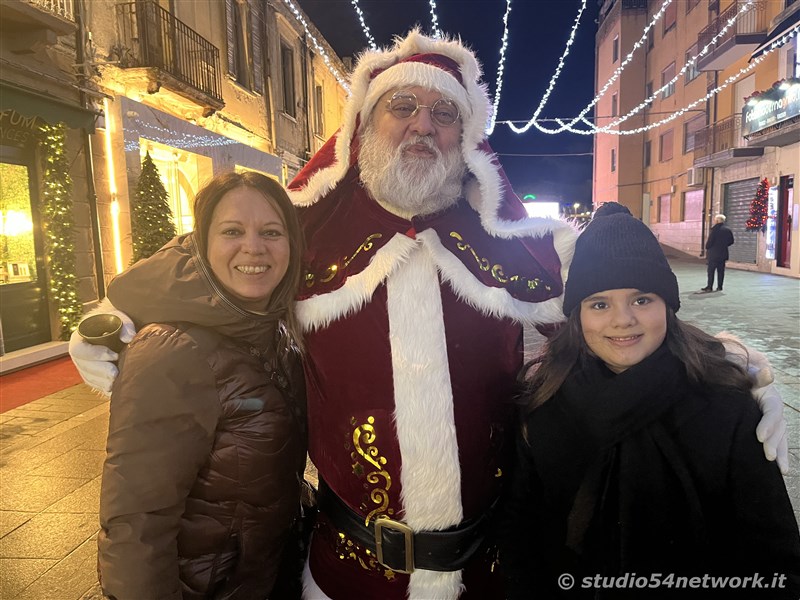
(790,24)
(51,109)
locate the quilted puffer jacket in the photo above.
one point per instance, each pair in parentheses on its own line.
(205,446)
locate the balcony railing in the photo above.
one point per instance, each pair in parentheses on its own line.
(751,21)
(152,37)
(61,8)
(722,135)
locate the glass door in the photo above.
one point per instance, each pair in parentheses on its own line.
(24,318)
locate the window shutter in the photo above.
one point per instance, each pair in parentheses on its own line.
(257,35)
(230,25)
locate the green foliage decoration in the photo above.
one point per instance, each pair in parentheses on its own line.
(59,224)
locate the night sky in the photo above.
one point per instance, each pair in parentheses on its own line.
(538,32)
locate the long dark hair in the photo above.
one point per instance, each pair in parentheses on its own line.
(703,356)
(283,297)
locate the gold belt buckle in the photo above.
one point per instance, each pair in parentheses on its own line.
(382,523)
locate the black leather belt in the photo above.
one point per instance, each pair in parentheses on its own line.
(399,548)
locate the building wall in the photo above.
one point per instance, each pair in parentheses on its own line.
(660,198)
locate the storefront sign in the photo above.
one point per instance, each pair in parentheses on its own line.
(772,222)
(777,104)
(16,129)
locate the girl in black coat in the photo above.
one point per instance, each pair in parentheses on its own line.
(639,474)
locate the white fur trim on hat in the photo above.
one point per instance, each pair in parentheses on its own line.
(411,74)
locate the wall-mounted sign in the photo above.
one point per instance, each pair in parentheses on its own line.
(780,103)
(16,129)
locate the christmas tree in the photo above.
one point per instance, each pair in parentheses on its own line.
(758,208)
(151,216)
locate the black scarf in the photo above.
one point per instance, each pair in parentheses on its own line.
(638,487)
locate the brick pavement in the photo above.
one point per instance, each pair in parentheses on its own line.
(51,449)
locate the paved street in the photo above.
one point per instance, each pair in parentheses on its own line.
(52,448)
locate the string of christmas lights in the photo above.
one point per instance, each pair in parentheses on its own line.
(437,33)
(554,78)
(171,138)
(732,79)
(711,93)
(364,28)
(748,5)
(60,227)
(618,71)
(564,126)
(500,70)
(317,46)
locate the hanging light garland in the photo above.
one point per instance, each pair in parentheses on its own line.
(608,128)
(364,28)
(59,219)
(732,79)
(500,70)
(317,46)
(437,33)
(618,71)
(554,78)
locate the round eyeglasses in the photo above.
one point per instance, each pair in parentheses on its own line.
(404,105)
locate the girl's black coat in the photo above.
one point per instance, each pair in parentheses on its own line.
(641,473)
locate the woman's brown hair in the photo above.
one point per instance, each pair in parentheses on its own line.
(282,300)
(703,356)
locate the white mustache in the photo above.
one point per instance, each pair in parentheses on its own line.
(421,140)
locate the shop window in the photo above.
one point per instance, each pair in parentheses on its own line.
(181,173)
(17,248)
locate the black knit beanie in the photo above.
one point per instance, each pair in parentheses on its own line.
(618,251)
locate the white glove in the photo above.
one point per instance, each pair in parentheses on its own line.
(95,363)
(771,430)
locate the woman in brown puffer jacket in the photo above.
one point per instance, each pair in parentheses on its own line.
(206,443)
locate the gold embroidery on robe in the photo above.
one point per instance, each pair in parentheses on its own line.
(496,270)
(333,269)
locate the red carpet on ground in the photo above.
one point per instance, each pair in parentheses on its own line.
(29,384)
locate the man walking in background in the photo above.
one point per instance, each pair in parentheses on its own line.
(719,238)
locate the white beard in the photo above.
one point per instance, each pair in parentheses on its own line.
(409,185)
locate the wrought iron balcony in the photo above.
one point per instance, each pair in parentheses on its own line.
(740,39)
(722,144)
(151,37)
(21,16)
(61,8)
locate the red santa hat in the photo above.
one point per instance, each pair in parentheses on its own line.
(447,66)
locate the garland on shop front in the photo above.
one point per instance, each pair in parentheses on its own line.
(59,224)
(758,208)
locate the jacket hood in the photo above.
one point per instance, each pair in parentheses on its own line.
(175,285)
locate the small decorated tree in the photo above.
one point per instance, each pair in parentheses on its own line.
(758,208)
(151,216)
